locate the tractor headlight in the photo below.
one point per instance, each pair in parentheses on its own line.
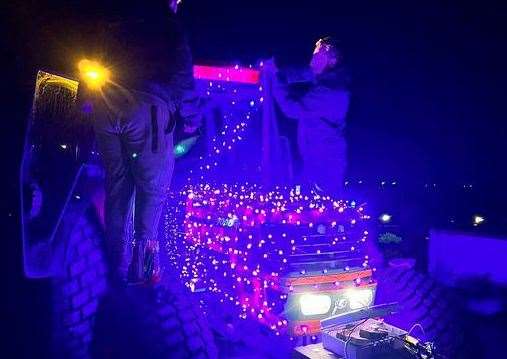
(315,304)
(93,74)
(359,298)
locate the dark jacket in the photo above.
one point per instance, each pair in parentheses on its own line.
(147,50)
(320,112)
(150,50)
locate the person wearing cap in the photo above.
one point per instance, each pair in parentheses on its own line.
(321,112)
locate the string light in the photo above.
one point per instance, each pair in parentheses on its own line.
(217,234)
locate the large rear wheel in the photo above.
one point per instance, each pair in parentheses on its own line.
(79,289)
(93,319)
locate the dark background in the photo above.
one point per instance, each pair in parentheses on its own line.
(428,87)
(428,77)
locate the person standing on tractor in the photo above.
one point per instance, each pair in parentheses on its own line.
(151,84)
(321,113)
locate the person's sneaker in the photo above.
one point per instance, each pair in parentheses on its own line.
(144,269)
(152,272)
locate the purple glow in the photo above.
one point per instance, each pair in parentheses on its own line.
(243,253)
(473,257)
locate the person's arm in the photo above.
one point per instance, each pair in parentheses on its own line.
(181,80)
(290,107)
(182,84)
(320,102)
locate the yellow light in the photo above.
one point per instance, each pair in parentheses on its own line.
(93,74)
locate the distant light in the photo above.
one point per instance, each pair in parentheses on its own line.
(478,220)
(385,218)
(63,147)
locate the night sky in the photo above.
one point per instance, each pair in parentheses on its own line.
(428,77)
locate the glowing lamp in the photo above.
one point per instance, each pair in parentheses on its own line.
(314,304)
(385,218)
(93,74)
(478,220)
(359,298)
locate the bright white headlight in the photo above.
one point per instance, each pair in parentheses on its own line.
(359,298)
(315,304)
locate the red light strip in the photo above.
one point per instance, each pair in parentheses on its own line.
(328,278)
(228,74)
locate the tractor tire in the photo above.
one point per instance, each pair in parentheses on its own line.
(77,291)
(152,322)
(93,319)
(422,301)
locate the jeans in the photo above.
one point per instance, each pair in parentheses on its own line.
(134,136)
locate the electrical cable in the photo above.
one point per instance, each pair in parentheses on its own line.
(416,325)
(350,337)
